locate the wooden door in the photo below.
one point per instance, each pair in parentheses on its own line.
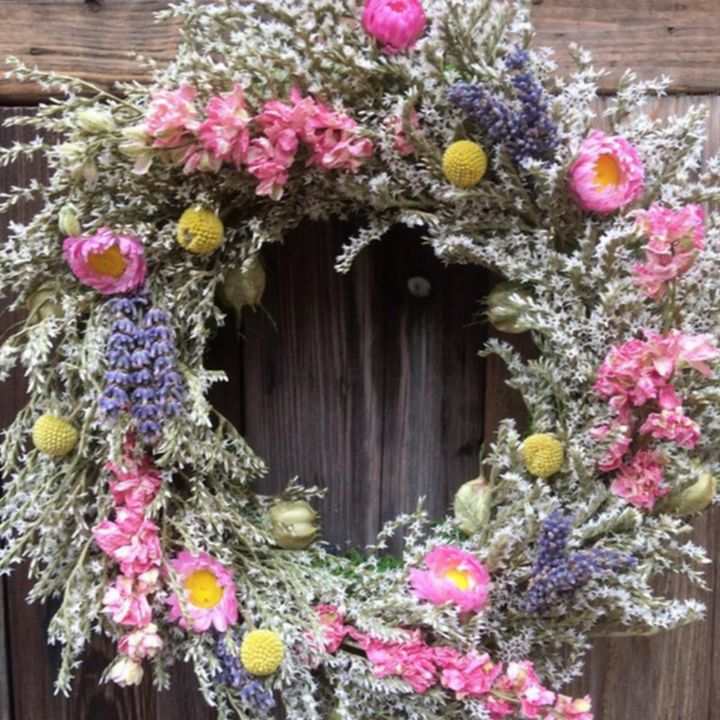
(370,384)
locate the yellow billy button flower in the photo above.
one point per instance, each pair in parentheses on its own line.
(203,589)
(464,163)
(543,455)
(262,652)
(200,230)
(54,435)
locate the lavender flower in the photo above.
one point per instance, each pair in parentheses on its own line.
(523,131)
(557,574)
(252,692)
(141,375)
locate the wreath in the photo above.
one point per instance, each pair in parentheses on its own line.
(134,502)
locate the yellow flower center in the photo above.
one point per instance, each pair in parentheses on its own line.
(203,589)
(607,171)
(109,263)
(460,578)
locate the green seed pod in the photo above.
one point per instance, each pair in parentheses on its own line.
(504,307)
(244,284)
(41,304)
(695,498)
(68,222)
(95,122)
(472,505)
(294,524)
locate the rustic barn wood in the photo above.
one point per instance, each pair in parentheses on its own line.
(367,388)
(98,39)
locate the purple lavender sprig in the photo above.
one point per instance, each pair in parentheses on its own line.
(558,574)
(252,692)
(524,130)
(141,377)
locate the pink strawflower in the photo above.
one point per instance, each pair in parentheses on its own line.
(470,675)
(135,485)
(403,144)
(333,625)
(105,261)
(567,708)
(452,575)
(171,117)
(225,132)
(607,173)
(126,604)
(673,425)
(208,593)
(396,24)
(675,239)
(641,481)
(145,642)
(411,660)
(130,540)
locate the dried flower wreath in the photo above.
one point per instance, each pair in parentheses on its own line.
(134,503)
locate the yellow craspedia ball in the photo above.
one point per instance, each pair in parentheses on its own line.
(200,230)
(53,435)
(261,652)
(542,454)
(464,163)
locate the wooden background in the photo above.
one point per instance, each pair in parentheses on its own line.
(365,388)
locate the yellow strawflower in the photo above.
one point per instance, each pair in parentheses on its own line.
(262,652)
(200,230)
(464,163)
(543,455)
(54,436)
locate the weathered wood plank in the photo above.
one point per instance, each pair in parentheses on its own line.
(97,39)
(313,386)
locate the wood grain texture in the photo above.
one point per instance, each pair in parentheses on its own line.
(97,40)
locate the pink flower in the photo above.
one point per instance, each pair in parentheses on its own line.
(675,239)
(134,486)
(613,457)
(130,540)
(270,163)
(521,681)
(225,132)
(453,575)
(402,143)
(640,482)
(278,117)
(568,709)
(145,642)
(396,24)
(607,173)
(413,660)
(208,593)
(126,604)
(334,629)
(334,139)
(107,262)
(674,351)
(673,425)
(171,116)
(471,675)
